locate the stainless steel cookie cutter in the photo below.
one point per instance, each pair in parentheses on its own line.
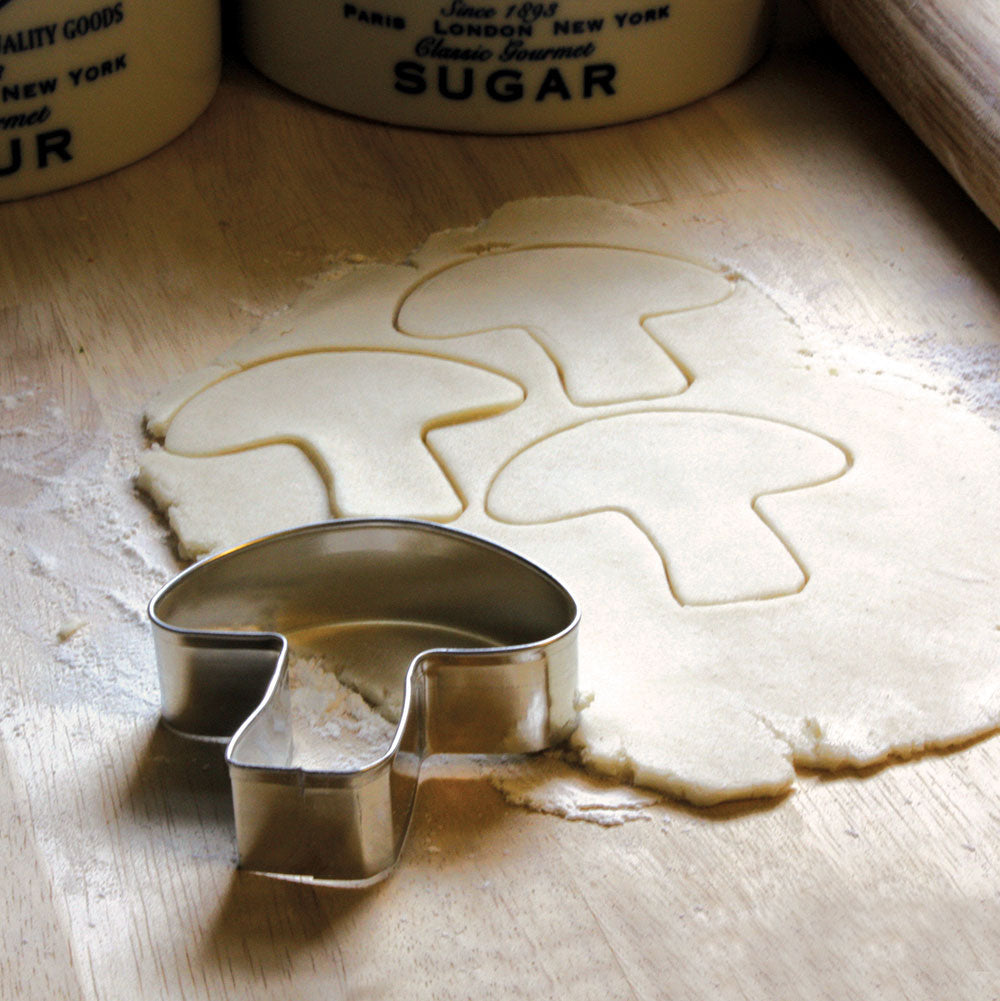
(479,643)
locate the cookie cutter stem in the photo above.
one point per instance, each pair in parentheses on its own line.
(220,631)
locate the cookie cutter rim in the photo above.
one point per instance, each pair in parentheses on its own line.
(348,825)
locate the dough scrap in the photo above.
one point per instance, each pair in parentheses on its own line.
(333,727)
(887,641)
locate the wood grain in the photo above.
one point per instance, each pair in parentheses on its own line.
(116,842)
(938,63)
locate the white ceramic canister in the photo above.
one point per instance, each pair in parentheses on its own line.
(504,65)
(87,86)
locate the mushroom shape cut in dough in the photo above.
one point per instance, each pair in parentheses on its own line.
(586,306)
(690,481)
(360,416)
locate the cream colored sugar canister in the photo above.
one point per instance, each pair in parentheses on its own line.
(89,86)
(504,65)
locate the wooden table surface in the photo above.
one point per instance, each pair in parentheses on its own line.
(116,843)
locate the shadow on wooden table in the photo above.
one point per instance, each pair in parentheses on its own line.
(264,922)
(179,796)
(179,793)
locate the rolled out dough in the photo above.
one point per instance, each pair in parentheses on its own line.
(785,552)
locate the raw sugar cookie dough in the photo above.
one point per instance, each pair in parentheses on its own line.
(785,551)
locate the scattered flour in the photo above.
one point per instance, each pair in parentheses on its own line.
(333,727)
(77,536)
(969,374)
(11,401)
(547,784)
(975,372)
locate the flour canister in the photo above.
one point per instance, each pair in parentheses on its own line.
(504,65)
(86,87)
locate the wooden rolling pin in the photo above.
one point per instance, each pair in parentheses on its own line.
(938,64)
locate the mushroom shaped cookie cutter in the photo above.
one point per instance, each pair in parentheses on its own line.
(478,644)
